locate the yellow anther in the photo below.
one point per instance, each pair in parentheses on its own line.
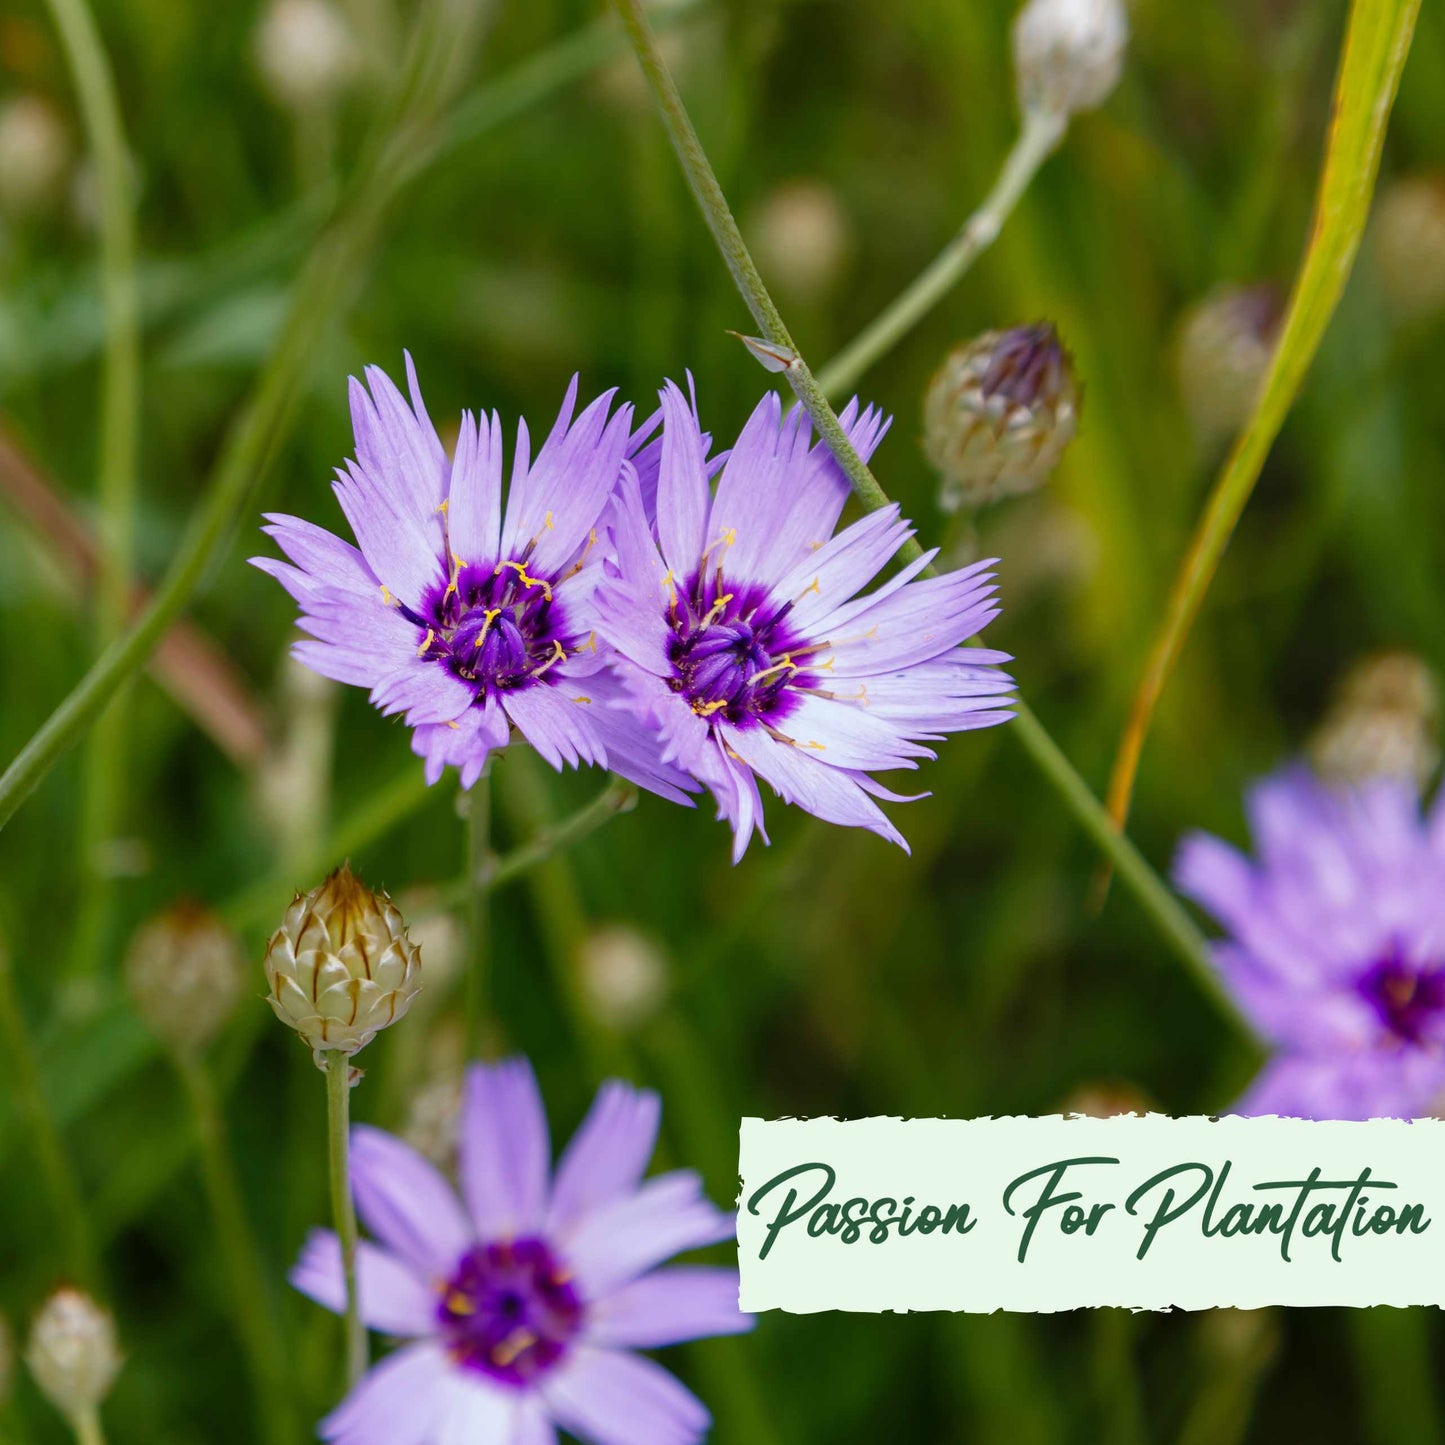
(718,608)
(547,522)
(707,709)
(426,642)
(455,726)
(488,617)
(670,583)
(559,654)
(527,581)
(517,1343)
(811,587)
(387,599)
(445,505)
(786,663)
(459,1303)
(582,699)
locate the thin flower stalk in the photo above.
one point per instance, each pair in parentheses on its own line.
(87,1428)
(1155,897)
(1038,138)
(343,1209)
(479,825)
(119,416)
(259,1335)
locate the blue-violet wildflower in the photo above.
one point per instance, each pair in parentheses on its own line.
(524,1300)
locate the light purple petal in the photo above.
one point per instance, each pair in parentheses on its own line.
(404,552)
(630,1236)
(1405,1085)
(503,1149)
(474,1411)
(608,1154)
(682,490)
(397,1403)
(668,1306)
(474,498)
(393,1298)
(464,743)
(556,720)
(404,1201)
(607,1397)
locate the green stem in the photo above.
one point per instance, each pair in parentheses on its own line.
(1157,900)
(253,444)
(1041,133)
(479,830)
(55,1168)
(258,1334)
(343,1209)
(104,775)
(87,1429)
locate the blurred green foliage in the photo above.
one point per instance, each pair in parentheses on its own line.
(826,974)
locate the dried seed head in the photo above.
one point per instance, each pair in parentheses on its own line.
(73,1353)
(1384,722)
(341,967)
(999,413)
(801,237)
(624,976)
(1068,54)
(306,52)
(34,152)
(185,971)
(1409,246)
(1225,344)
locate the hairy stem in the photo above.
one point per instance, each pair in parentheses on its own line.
(1041,133)
(343,1208)
(86,1425)
(255,1327)
(1161,905)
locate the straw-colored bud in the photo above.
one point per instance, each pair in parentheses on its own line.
(306,52)
(1384,722)
(185,971)
(34,152)
(1068,54)
(623,974)
(998,415)
(1107,1099)
(341,967)
(431,1119)
(1225,344)
(73,1353)
(801,237)
(1409,246)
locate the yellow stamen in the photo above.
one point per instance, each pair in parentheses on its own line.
(488,617)
(459,1303)
(786,664)
(444,506)
(559,654)
(718,608)
(386,597)
(527,581)
(582,699)
(426,642)
(517,1343)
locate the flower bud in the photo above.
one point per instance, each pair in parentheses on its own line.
(1068,54)
(998,415)
(340,967)
(623,975)
(801,237)
(34,152)
(306,52)
(1409,246)
(1384,722)
(185,971)
(1225,345)
(1106,1099)
(73,1353)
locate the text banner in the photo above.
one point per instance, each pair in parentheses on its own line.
(1066,1213)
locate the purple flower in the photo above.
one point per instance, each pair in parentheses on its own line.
(524,1300)
(1336,946)
(738,628)
(467,617)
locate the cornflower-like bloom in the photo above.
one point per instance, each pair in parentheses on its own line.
(738,629)
(466,618)
(1336,944)
(524,1300)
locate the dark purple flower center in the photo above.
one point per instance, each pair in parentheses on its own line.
(1409,997)
(733,655)
(498,627)
(510,1311)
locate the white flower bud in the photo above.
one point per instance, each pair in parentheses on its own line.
(1384,722)
(1226,342)
(185,971)
(801,237)
(341,967)
(73,1353)
(1068,54)
(1409,246)
(306,52)
(623,975)
(34,152)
